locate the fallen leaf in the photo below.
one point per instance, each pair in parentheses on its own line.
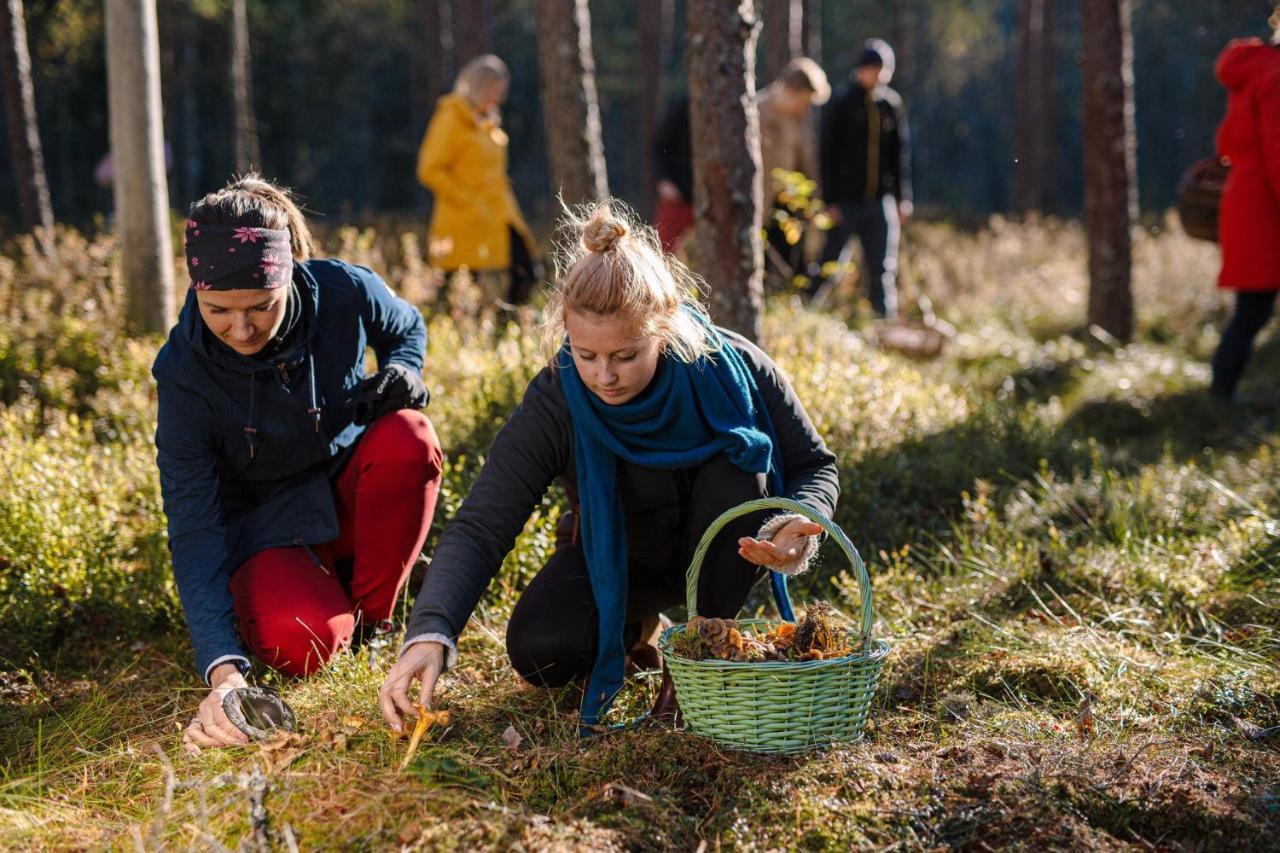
(512,738)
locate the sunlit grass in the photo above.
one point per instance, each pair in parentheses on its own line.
(1074,556)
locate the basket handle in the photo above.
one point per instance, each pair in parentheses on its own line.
(865,610)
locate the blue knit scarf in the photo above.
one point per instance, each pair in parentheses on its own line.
(687,415)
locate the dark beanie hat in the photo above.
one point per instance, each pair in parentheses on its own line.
(870,56)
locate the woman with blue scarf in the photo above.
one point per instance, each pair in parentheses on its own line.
(656,421)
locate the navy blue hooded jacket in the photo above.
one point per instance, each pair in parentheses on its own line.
(230,493)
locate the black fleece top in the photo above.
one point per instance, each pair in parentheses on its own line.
(535,448)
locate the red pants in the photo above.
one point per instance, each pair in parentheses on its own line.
(673,219)
(295,610)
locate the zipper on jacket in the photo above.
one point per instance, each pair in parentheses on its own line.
(284,373)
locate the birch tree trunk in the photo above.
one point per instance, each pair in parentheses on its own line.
(726,247)
(137,156)
(1110,156)
(571,111)
(25,153)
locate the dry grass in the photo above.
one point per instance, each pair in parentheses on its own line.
(1075,557)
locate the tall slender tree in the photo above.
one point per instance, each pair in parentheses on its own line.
(472,30)
(571,111)
(726,248)
(26,155)
(246,124)
(783,34)
(653,28)
(1034,136)
(811,29)
(137,155)
(1110,157)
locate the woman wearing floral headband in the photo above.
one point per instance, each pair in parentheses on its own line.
(298,490)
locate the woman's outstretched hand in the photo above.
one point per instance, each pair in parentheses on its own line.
(210,728)
(784,549)
(424,661)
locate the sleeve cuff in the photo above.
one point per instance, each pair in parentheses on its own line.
(451,648)
(241,662)
(801,563)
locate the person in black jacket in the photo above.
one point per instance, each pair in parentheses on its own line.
(866,175)
(657,422)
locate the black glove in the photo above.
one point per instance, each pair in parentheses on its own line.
(393,388)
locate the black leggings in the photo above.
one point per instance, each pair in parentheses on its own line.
(552,635)
(1253,310)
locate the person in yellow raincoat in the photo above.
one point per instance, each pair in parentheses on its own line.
(476,222)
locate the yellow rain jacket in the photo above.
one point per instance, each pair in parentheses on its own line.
(463,161)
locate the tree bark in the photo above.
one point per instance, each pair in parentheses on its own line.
(1110,158)
(248,157)
(137,155)
(783,34)
(1034,126)
(653,25)
(25,152)
(811,30)
(726,247)
(472,35)
(571,111)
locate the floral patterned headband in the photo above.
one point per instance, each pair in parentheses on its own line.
(223,257)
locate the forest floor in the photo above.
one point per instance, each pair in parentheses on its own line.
(1075,556)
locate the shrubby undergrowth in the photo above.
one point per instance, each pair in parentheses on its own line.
(1074,555)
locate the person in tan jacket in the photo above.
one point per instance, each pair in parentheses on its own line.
(476,222)
(788,143)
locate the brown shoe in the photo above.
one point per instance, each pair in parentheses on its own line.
(644,654)
(666,708)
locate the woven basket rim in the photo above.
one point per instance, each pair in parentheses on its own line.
(879,650)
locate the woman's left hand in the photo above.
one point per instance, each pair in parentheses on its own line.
(786,547)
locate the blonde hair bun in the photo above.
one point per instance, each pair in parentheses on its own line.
(602,231)
(609,263)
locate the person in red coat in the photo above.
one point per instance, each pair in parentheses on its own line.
(1249,221)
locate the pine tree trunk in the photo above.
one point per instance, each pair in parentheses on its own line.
(783,25)
(137,156)
(726,247)
(471,31)
(905,25)
(25,152)
(1110,162)
(653,25)
(811,30)
(246,140)
(570,111)
(1033,130)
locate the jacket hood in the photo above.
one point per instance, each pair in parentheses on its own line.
(191,328)
(1245,59)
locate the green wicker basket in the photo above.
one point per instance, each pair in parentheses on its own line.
(777,706)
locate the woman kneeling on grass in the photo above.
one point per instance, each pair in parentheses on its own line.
(298,491)
(657,422)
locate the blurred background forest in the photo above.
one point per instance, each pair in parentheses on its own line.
(342,92)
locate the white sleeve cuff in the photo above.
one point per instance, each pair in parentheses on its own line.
(801,563)
(451,648)
(242,664)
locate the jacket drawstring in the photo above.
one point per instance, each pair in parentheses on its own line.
(314,411)
(250,431)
